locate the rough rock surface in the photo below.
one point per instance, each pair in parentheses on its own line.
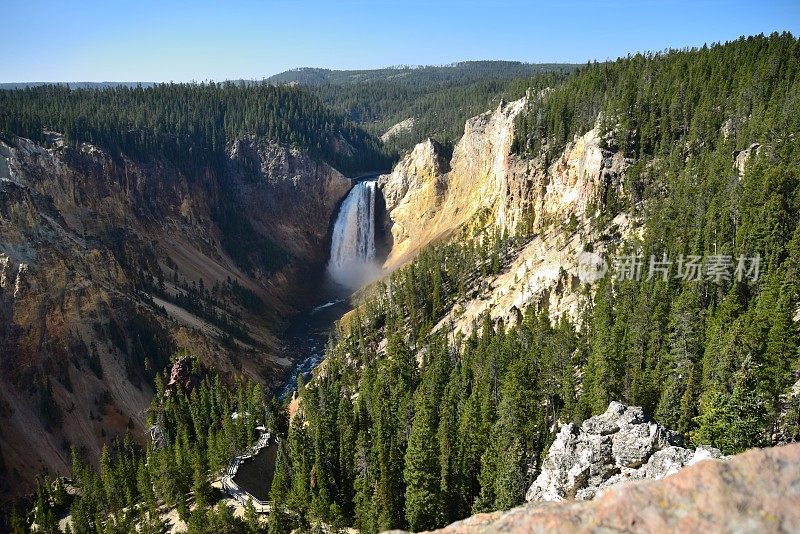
(757,491)
(180,377)
(413,194)
(448,195)
(742,157)
(618,445)
(485,184)
(397,129)
(291,197)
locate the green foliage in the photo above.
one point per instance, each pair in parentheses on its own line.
(733,422)
(658,102)
(219,519)
(200,437)
(189,124)
(418,76)
(439,99)
(446,426)
(439,435)
(423,506)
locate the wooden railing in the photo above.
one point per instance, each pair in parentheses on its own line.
(230,487)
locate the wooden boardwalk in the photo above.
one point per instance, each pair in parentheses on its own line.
(230,487)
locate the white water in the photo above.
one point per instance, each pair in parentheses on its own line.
(352,261)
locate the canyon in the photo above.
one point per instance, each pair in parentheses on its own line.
(109,264)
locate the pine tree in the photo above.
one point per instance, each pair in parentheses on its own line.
(508,483)
(44,517)
(447,435)
(423,505)
(251,518)
(278,521)
(109,480)
(16,523)
(731,422)
(200,484)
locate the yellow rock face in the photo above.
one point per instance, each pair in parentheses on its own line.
(485,185)
(427,198)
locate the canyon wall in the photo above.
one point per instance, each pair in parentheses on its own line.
(108,264)
(485,185)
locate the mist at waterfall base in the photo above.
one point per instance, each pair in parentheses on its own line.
(352,262)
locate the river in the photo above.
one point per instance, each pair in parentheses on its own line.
(352,264)
(307,336)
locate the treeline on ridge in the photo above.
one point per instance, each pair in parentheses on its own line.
(190,123)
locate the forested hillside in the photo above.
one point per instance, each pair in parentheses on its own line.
(443,426)
(201,423)
(419,76)
(190,123)
(76,85)
(439,99)
(410,424)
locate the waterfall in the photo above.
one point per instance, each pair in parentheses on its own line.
(352,260)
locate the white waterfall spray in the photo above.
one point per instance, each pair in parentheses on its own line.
(352,261)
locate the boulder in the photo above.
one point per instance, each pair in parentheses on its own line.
(757,491)
(618,445)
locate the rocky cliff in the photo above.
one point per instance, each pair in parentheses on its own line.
(448,194)
(484,185)
(413,194)
(109,263)
(757,491)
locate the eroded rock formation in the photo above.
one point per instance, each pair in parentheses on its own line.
(616,446)
(485,185)
(427,197)
(108,263)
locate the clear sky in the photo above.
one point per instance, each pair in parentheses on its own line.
(146,40)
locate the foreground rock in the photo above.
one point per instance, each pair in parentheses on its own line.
(758,491)
(608,449)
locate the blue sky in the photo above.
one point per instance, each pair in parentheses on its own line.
(144,40)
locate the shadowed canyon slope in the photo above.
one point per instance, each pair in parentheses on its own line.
(108,264)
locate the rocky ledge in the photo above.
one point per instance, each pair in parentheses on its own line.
(758,491)
(621,444)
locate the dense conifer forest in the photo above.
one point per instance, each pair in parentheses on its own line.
(190,123)
(419,76)
(439,99)
(406,425)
